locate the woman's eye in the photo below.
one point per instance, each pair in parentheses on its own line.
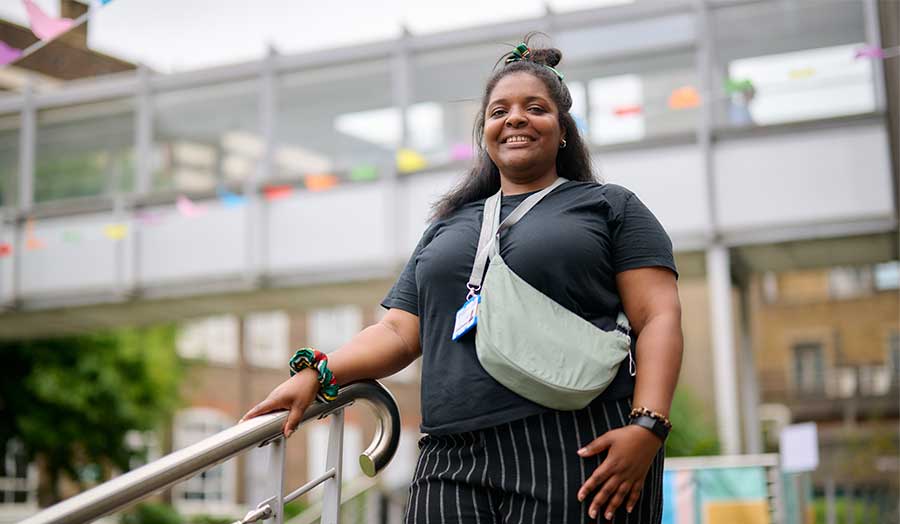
(536,109)
(497,112)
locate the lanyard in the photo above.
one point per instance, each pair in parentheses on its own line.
(491,227)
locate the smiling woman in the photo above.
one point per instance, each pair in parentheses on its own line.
(599,305)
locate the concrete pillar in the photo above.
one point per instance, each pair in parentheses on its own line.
(718,276)
(749,384)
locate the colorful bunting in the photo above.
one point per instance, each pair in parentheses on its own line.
(685,97)
(115,231)
(5,249)
(230,199)
(71,237)
(8,54)
(409,161)
(321,182)
(44,26)
(627,110)
(273,193)
(188,208)
(461,152)
(148,217)
(869,51)
(738,86)
(800,74)
(363,173)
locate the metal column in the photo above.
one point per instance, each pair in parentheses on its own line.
(331,501)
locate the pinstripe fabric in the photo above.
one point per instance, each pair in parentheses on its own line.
(523,472)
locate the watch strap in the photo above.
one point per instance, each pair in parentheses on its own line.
(655,426)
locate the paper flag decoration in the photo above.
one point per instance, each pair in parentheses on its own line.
(277,192)
(869,51)
(32,242)
(71,237)
(363,172)
(104,2)
(409,161)
(5,249)
(43,26)
(322,182)
(188,208)
(737,86)
(460,152)
(800,74)
(627,110)
(149,217)
(8,54)
(115,231)
(230,199)
(684,98)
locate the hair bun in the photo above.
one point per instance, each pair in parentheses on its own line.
(549,56)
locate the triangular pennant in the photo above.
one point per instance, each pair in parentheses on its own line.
(188,208)
(32,242)
(629,110)
(6,249)
(363,173)
(273,193)
(230,199)
(71,237)
(8,54)
(409,161)
(44,26)
(322,182)
(737,86)
(800,74)
(461,152)
(685,97)
(869,51)
(115,231)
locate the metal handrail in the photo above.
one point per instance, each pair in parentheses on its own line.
(135,485)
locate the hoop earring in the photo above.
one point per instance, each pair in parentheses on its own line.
(563,144)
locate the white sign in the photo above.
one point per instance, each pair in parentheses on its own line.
(799,446)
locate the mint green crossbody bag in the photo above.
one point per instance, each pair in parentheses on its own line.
(527,341)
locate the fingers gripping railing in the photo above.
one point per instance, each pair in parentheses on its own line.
(135,485)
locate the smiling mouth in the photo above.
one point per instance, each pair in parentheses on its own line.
(517,139)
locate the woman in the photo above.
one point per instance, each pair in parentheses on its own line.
(490,455)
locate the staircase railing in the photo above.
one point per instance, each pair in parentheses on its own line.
(135,485)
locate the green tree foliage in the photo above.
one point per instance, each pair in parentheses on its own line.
(72,400)
(692,434)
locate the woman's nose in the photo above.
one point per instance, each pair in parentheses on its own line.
(516,119)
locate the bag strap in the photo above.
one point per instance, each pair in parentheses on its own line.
(491,227)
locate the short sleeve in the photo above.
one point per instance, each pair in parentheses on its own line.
(404,294)
(639,240)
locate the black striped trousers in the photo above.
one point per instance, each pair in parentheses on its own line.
(523,472)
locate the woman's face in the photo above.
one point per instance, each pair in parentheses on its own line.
(521,126)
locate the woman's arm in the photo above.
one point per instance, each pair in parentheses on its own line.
(650,298)
(378,351)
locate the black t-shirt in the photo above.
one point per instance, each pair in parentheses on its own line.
(570,247)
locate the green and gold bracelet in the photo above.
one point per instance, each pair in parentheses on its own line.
(312,358)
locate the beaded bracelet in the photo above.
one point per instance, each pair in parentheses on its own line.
(315,359)
(646,412)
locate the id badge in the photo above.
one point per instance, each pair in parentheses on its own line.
(466,317)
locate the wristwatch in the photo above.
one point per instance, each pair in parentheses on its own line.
(655,425)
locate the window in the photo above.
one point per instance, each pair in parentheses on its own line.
(887,276)
(214,339)
(212,489)
(266,339)
(894,357)
(849,282)
(18,478)
(330,328)
(809,368)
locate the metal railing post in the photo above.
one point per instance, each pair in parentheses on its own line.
(276,459)
(331,501)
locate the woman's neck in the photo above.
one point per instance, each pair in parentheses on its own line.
(518,186)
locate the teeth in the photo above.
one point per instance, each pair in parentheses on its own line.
(518,139)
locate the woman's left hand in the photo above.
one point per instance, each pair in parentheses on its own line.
(620,477)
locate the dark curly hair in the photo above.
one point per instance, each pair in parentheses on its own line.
(483,179)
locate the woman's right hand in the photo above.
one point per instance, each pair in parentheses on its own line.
(294,394)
